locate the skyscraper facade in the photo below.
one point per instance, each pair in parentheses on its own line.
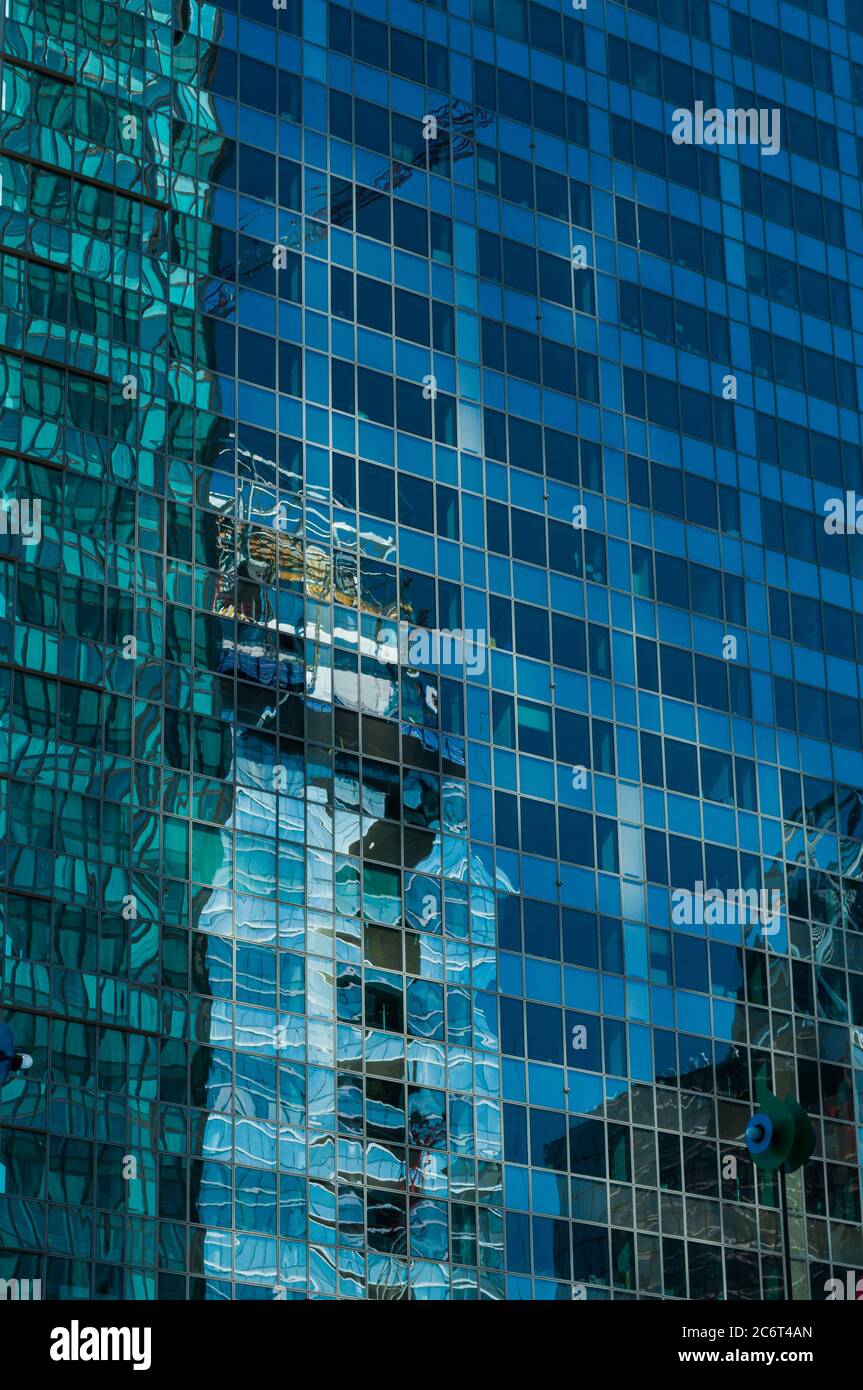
(431,646)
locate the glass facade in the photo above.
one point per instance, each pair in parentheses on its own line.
(432,613)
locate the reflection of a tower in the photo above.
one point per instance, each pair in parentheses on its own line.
(253,563)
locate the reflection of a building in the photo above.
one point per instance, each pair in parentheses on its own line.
(656,1146)
(272,605)
(702,1221)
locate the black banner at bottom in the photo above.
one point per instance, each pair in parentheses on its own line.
(85,1339)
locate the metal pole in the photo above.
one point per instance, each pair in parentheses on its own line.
(786,1242)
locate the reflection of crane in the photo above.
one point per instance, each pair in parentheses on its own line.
(426,1132)
(458,123)
(417,1173)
